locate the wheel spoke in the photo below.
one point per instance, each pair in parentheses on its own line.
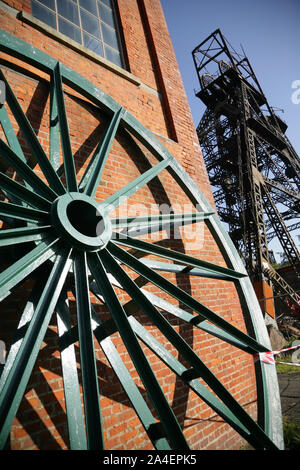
(181,371)
(13,143)
(102,333)
(131,308)
(150,424)
(69,164)
(54,127)
(23,234)
(10,134)
(183,297)
(158,399)
(32,140)
(199,369)
(202,324)
(181,269)
(19,270)
(21,329)
(20,372)
(26,172)
(19,191)
(154,227)
(70,377)
(26,214)
(161,219)
(172,255)
(95,169)
(87,356)
(124,193)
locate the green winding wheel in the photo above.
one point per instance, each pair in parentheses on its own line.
(78,239)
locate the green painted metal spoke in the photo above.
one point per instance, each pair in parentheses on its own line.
(87,356)
(19,270)
(68,336)
(159,401)
(172,255)
(26,214)
(128,384)
(54,127)
(181,371)
(161,219)
(96,167)
(20,372)
(199,323)
(124,193)
(20,192)
(131,308)
(13,143)
(181,269)
(183,297)
(10,134)
(32,139)
(69,163)
(198,367)
(21,329)
(26,172)
(23,234)
(70,377)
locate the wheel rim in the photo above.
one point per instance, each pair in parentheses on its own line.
(53,212)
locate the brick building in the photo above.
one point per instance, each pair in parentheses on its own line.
(123,48)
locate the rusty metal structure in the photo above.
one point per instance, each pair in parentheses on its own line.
(252,165)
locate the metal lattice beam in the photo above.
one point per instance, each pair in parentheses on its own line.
(262,166)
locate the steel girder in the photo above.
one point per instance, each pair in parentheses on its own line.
(253,153)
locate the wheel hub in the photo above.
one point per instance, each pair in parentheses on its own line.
(80,221)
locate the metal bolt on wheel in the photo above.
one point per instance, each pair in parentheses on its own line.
(59,217)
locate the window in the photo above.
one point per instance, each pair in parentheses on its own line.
(91,23)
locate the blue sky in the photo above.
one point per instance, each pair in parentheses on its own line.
(269,31)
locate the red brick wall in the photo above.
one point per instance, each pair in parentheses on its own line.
(160,103)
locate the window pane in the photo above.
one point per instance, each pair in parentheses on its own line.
(89,23)
(48,3)
(113,56)
(92,44)
(43,14)
(68,10)
(106,15)
(89,5)
(69,30)
(109,36)
(107,2)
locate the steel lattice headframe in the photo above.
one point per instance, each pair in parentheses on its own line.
(252,166)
